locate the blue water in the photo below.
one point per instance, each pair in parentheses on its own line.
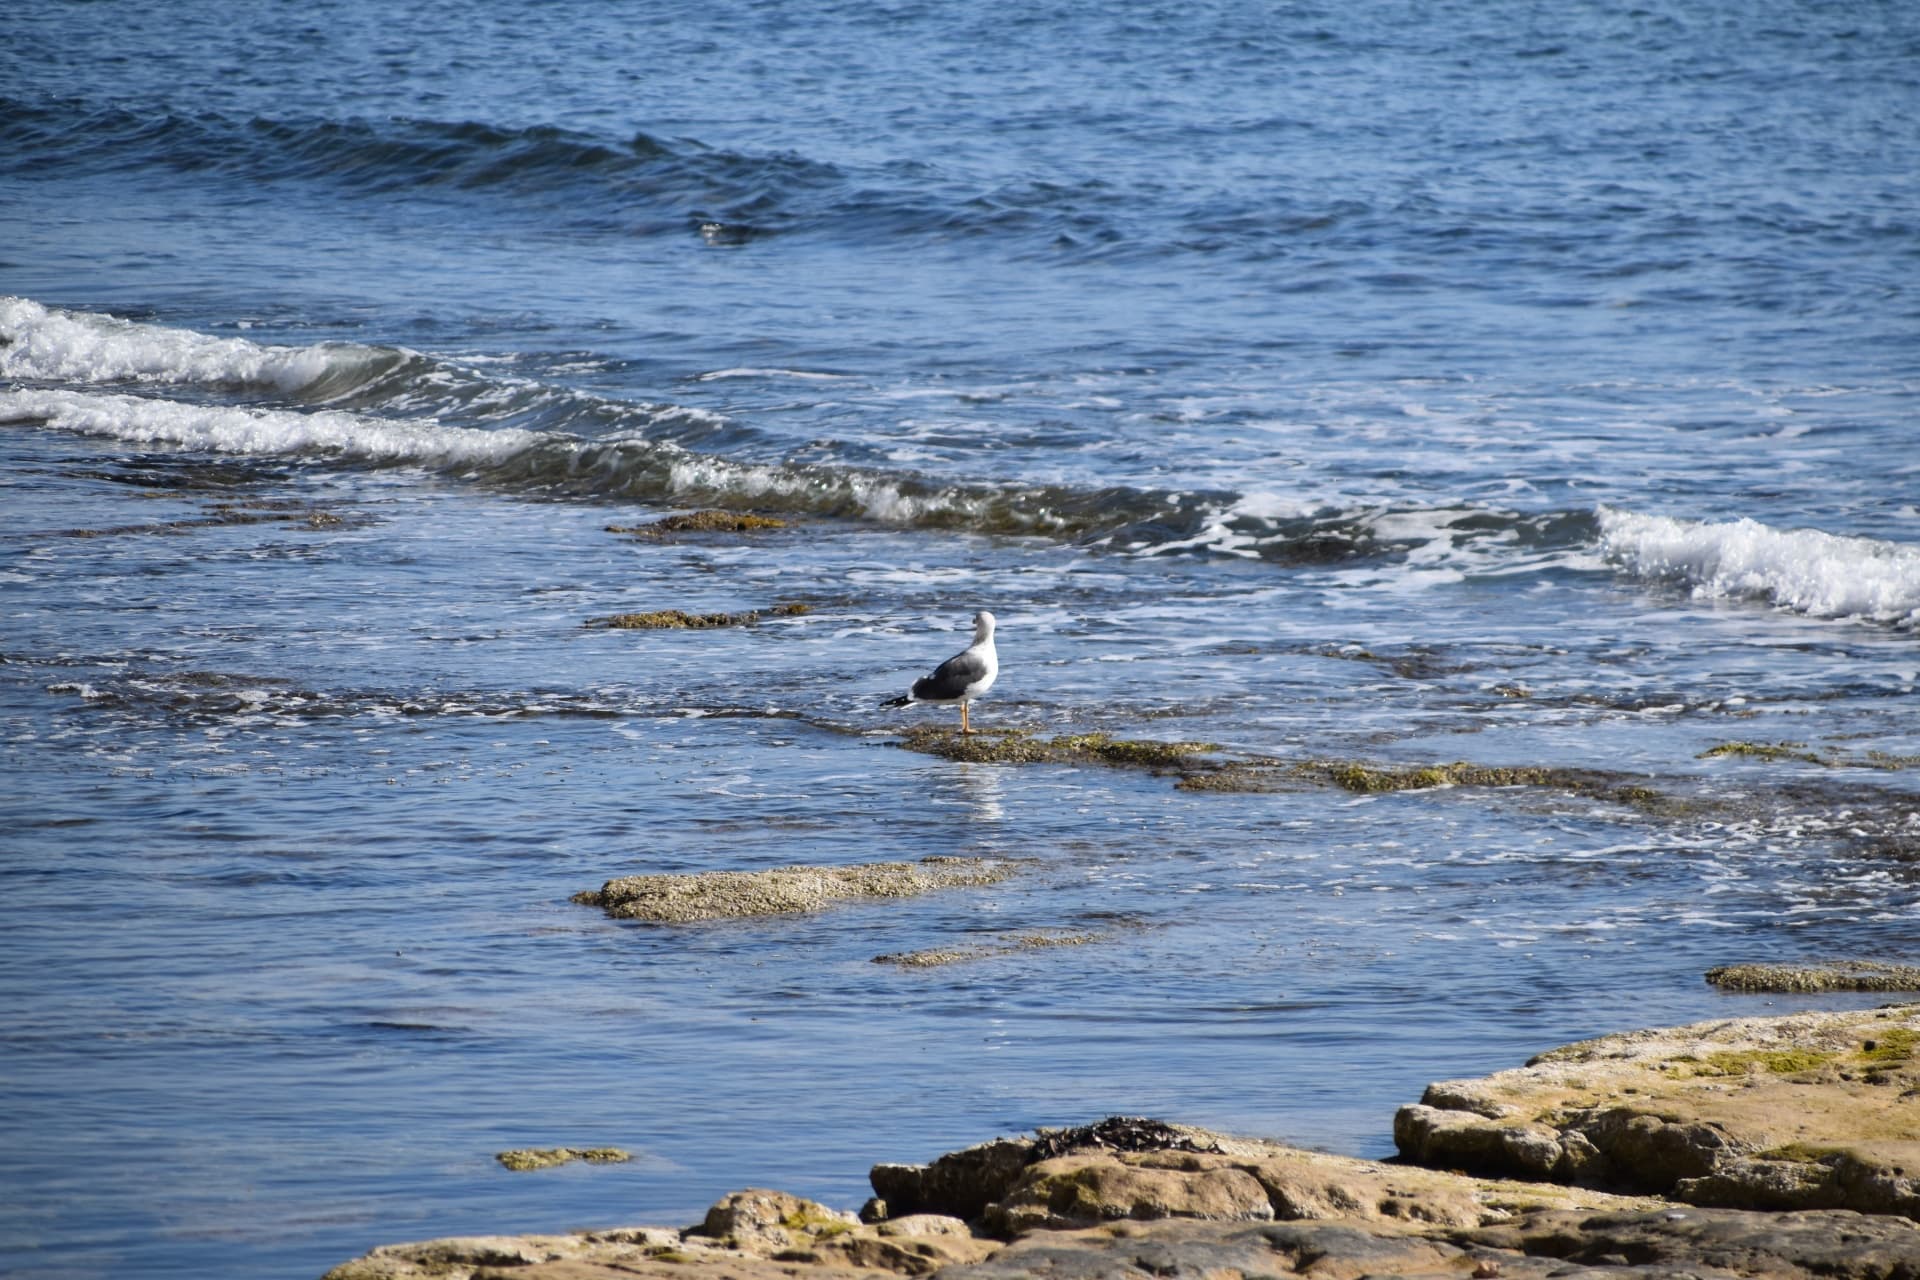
(1383,382)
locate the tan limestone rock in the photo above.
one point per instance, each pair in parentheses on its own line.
(1806,1111)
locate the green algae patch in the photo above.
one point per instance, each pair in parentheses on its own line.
(720,895)
(1265,775)
(1772,751)
(816,1225)
(1863,975)
(1746,1062)
(1801,1153)
(680,620)
(1367,779)
(709,521)
(550,1157)
(939,957)
(1017,746)
(1896,1044)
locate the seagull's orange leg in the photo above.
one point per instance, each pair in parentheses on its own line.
(964,729)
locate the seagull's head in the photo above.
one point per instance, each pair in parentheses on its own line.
(982,626)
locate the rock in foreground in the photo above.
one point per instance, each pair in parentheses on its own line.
(1130,1199)
(1811,1111)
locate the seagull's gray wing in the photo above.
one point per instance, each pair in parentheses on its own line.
(951,678)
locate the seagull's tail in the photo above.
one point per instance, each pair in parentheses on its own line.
(901,701)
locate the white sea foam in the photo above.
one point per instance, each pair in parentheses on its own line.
(803,375)
(42,342)
(875,497)
(1820,574)
(144,420)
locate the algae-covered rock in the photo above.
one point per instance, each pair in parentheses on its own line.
(1016,746)
(771,1219)
(680,620)
(548,1157)
(1264,775)
(1352,775)
(1765,751)
(1857,975)
(1241,776)
(717,895)
(1807,1111)
(708,521)
(1799,751)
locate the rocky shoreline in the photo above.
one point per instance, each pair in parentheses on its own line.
(1756,1147)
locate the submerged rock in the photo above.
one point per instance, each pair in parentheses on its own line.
(718,895)
(708,521)
(1799,751)
(548,1157)
(1765,751)
(1858,975)
(1809,1111)
(286,512)
(1013,944)
(679,620)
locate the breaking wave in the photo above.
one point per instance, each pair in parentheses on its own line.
(631,466)
(1822,575)
(44,343)
(147,384)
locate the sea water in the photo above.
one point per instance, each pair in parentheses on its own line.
(1382,383)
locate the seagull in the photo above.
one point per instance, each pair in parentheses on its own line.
(963,677)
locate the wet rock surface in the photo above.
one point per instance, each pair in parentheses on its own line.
(716,895)
(681,620)
(1016,746)
(1011,944)
(1810,1111)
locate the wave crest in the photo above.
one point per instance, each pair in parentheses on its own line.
(44,343)
(1820,574)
